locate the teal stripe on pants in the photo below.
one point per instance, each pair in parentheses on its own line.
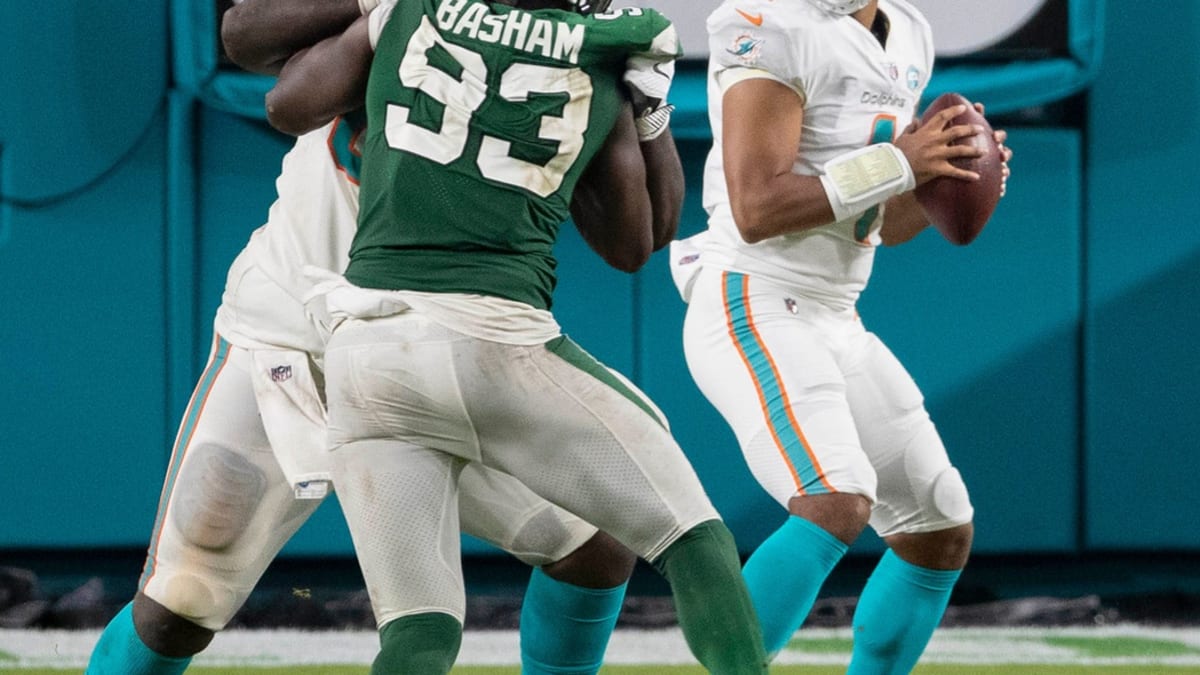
(190,418)
(767,381)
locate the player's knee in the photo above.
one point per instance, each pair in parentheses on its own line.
(956,544)
(544,539)
(602,562)
(845,512)
(217,494)
(939,533)
(842,514)
(206,602)
(948,500)
(165,631)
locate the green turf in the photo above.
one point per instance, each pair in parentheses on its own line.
(941,669)
(1039,669)
(1121,646)
(1086,647)
(818,645)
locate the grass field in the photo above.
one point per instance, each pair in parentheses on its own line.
(1112,650)
(943,669)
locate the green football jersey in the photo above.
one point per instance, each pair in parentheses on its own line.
(481,117)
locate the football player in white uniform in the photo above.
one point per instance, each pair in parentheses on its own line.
(249,462)
(809,172)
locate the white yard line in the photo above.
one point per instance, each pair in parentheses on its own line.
(70,649)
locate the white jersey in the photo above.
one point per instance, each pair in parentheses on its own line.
(855,92)
(312,222)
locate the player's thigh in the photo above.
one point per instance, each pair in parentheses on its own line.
(561,422)
(765,362)
(396,378)
(555,419)
(499,509)
(396,431)
(225,509)
(919,489)
(401,503)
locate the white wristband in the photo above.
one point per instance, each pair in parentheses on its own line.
(857,180)
(367,5)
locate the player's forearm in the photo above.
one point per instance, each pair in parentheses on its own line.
(611,206)
(903,219)
(260,35)
(779,204)
(620,241)
(664,180)
(322,82)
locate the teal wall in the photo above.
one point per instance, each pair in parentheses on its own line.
(1053,351)
(83,161)
(1142,370)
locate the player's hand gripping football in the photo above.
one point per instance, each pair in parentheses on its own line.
(929,147)
(1005,153)
(649,80)
(961,208)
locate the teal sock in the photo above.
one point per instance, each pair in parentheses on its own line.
(120,651)
(711,600)
(897,613)
(424,644)
(565,628)
(784,575)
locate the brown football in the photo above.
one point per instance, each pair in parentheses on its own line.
(959,209)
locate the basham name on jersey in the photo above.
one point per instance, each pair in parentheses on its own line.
(556,40)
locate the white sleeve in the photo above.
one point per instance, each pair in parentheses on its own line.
(924,36)
(377,19)
(730,76)
(740,50)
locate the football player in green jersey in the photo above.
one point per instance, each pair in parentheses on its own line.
(194,585)
(482,116)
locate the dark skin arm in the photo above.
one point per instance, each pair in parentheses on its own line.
(903,219)
(611,206)
(322,82)
(261,35)
(767,198)
(628,201)
(664,178)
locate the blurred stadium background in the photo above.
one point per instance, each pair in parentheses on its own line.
(1056,352)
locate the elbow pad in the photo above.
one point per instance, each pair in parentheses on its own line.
(857,180)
